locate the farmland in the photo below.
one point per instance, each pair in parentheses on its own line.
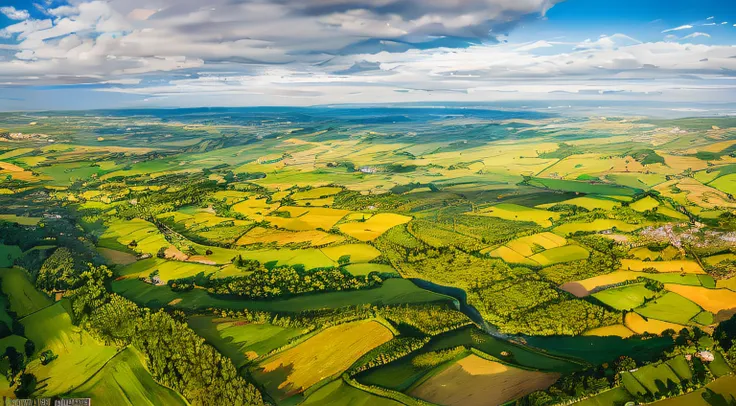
(321,256)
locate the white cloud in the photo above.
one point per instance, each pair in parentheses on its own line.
(710,18)
(15,14)
(696,35)
(682,27)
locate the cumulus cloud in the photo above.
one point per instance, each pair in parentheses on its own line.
(98,39)
(318,51)
(15,14)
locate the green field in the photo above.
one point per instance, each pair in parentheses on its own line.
(595,226)
(241,341)
(8,254)
(615,396)
(670,307)
(124,380)
(23,297)
(625,298)
(393,291)
(339,393)
(52,329)
(653,376)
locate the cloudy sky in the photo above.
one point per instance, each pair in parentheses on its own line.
(69,54)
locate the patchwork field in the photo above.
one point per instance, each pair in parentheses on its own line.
(542,249)
(322,356)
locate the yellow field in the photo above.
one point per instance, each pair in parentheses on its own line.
(712,300)
(666,254)
(308,218)
(357,252)
(476,381)
(704,196)
(231,196)
(525,245)
(255,209)
(596,225)
(685,266)
(618,330)
(316,193)
(715,259)
(589,203)
(638,325)
(647,203)
(16,172)
(729,283)
(320,357)
(515,212)
(583,287)
(116,257)
(315,238)
(508,255)
(373,227)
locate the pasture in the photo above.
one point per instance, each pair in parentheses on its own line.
(626,297)
(52,328)
(8,255)
(541,249)
(135,234)
(240,340)
(339,393)
(124,380)
(23,298)
(671,307)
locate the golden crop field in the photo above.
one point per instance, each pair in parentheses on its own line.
(639,325)
(515,212)
(373,227)
(618,330)
(683,266)
(712,300)
(322,356)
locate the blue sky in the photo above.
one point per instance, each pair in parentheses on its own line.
(82,54)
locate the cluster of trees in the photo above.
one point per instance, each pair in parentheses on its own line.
(427,319)
(175,355)
(151,203)
(568,317)
(605,257)
(263,283)
(387,352)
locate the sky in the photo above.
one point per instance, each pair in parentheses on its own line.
(78,54)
